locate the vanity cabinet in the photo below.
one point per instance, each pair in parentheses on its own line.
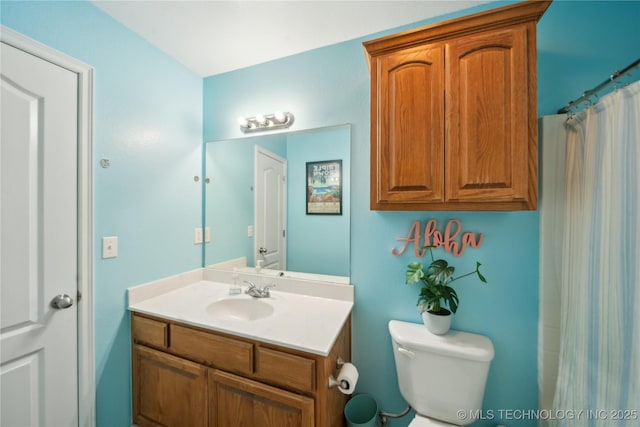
(453,113)
(189,376)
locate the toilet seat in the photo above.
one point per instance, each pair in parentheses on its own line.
(421,421)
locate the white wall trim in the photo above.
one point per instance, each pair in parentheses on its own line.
(86,339)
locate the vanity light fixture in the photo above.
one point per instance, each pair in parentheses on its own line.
(261,122)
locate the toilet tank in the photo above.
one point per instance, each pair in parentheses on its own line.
(440,375)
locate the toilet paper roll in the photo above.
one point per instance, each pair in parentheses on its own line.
(347,378)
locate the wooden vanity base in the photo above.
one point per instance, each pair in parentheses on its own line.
(189,376)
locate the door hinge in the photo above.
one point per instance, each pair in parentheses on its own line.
(284,233)
(78,296)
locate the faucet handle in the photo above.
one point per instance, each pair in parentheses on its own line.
(265,290)
(250,283)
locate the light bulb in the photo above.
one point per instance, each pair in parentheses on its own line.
(280,117)
(243,122)
(261,119)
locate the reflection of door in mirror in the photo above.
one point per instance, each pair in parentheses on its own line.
(271,202)
(317,244)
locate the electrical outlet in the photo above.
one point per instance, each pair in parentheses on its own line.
(250,231)
(109,247)
(197,235)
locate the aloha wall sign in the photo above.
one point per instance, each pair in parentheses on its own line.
(452,239)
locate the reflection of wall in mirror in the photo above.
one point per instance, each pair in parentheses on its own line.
(314,245)
(317,243)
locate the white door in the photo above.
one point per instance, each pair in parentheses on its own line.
(38,247)
(271,211)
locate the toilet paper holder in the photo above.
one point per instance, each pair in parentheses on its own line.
(333,382)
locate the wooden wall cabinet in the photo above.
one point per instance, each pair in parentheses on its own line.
(453,113)
(188,376)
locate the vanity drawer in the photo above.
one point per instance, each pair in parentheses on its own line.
(212,349)
(148,331)
(285,369)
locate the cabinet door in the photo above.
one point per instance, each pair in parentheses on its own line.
(236,401)
(407,128)
(167,390)
(490,110)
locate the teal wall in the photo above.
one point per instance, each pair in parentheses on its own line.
(579,44)
(148,122)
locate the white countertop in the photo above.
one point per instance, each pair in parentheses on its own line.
(303,322)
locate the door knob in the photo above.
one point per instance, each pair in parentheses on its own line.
(61,301)
(262,251)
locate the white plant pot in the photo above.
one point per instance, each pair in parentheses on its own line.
(437,324)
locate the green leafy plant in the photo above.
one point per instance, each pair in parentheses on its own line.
(436,282)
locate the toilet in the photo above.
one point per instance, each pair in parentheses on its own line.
(442,377)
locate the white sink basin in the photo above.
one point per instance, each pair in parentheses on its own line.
(240,309)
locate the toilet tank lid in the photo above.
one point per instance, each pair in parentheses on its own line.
(460,344)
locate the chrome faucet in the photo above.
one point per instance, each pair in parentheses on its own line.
(257,292)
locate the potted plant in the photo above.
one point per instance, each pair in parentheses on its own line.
(436,291)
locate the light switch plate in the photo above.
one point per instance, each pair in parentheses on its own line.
(207,234)
(110,247)
(197,235)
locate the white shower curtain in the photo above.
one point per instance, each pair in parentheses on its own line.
(599,365)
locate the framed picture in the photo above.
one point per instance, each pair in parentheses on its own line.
(324,188)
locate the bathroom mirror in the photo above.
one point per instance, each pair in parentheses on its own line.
(267,219)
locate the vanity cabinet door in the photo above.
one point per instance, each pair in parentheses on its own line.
(236,401)
(167,390)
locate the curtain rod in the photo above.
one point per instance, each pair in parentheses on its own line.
(589,93)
